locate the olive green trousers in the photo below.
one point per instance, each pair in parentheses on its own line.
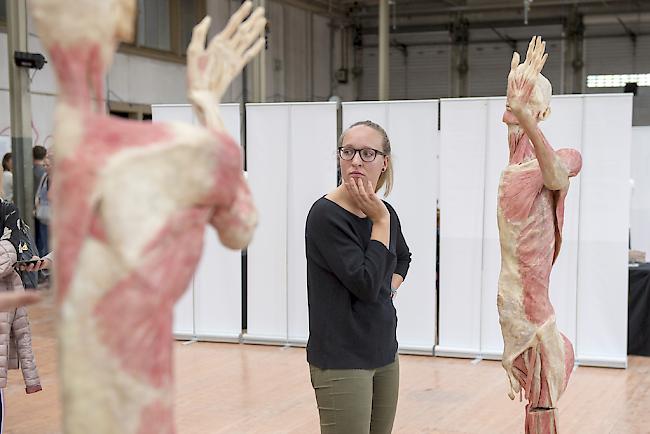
(356,401)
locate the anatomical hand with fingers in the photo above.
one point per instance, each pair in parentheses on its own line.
(211,70)
(522,78)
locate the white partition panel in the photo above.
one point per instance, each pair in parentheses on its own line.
(563,129)
(267,144)
(218,278)
(496,159)
(463,126)
(183,325)
(217,292)
(473,154)
(640,206)
(211,309)
(311,174)
(291,163)
(412,127)
(604,220)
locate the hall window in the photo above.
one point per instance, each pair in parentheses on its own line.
(154,24)
(164,27)
(617,80)
(190,14)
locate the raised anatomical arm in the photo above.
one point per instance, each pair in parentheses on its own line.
(211,70)
(521,85)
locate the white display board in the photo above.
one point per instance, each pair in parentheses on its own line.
(496,156)
(291,150)
(462,191)
(604,221)
(292,162)
(564,129)
(473,154)
(412,127)
(211,309)
(561,132)
(640,206)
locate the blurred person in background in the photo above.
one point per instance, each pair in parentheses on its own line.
(42,208)
(7,177)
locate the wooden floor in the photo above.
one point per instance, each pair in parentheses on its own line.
(231,388)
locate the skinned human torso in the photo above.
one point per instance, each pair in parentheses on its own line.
(128,232)
(530,218)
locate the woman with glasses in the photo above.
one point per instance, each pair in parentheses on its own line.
(356,260)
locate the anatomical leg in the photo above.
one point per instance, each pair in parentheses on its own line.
(543,372)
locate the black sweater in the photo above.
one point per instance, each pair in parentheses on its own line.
(352,320)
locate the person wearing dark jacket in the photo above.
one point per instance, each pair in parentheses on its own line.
(356,259)
(39,155)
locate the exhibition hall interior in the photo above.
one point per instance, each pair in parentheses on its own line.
(325,216)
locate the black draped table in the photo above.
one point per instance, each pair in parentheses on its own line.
(638,311)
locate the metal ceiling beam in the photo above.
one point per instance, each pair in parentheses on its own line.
(415,22)
(330,9)
(524,41)
(444,26)
(408,8)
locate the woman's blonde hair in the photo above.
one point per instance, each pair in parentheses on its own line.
(386,177)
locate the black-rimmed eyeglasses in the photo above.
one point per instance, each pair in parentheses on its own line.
(367,154)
